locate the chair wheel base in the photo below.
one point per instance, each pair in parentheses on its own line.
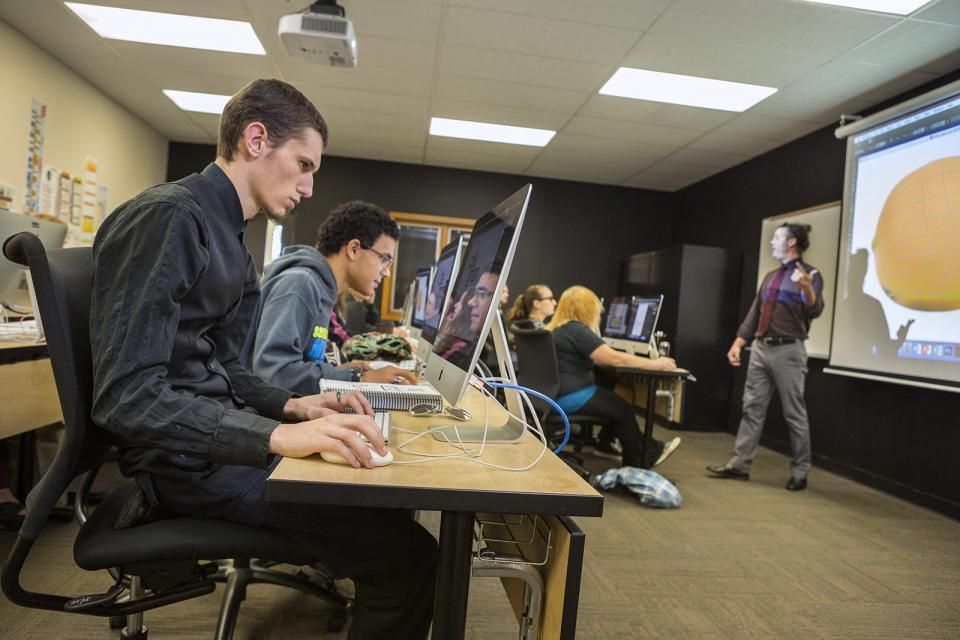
(138,635)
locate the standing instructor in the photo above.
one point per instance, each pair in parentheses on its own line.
(778,322)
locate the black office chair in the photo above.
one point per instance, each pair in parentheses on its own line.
(154,562)
(537,369)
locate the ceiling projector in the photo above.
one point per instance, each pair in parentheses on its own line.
(320,34)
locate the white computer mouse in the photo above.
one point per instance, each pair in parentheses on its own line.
(378,460)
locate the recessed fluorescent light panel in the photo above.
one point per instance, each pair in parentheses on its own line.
(899,7)
(199,102)
(641,84)
(169,29)
(490,132)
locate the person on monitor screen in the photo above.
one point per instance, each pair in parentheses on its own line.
(576,337)
(460,329)
(173,295)
(778,322)
(355,248)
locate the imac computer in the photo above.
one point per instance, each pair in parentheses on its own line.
(406,313)
(444,276)
(472,312)
(617,316)
(644,313)
(421,287)
(639,317)
(14,293)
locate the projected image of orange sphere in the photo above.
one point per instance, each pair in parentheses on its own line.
(917,246)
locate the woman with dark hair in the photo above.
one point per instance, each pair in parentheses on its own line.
(536,304)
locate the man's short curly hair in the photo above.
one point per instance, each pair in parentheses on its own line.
(357,219)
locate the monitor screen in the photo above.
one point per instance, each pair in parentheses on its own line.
(643,318)
(421,286)
(472,302)
(51,234)
(897,306)
(616,325)
(443,278)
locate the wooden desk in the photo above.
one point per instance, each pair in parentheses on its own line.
(635,390)
(28,394)
(457,488)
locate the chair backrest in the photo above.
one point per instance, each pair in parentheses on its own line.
(62,279)
(536,361)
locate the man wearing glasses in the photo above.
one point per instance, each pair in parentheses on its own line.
(355,248)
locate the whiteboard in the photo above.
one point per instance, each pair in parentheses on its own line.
(822,254)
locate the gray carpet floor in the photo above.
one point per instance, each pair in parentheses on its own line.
(738,560)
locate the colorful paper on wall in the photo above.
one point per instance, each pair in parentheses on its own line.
(49,191)
(88,211)
(102,209)
(38,120)
(65,196)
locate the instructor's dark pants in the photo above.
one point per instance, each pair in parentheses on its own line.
(390,557)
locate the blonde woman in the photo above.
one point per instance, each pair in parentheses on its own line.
(576,336)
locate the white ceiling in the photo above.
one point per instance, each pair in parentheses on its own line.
(534,63)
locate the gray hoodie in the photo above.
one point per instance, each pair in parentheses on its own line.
(297,294)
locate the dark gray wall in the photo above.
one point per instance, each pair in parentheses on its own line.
(574,233)
(902,439)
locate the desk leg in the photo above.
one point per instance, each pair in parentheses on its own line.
(453,576)
(651,413)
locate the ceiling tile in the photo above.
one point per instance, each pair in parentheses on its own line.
(458,145)
(626,164)
(411,81)
(335,97)
(734,62)
(945,11)
(801,27)
(628,14)
(621,130)
(150,57)
(655,113)
(538,71)
(707,158)
(536,36)
(767,127)
(909,45)
(559,170)
(488,92)
(514,116)
(640,153)
(734,143)
(475,161)
(375,151)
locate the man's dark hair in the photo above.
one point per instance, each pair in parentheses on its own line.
(800,233)
(282,109)
(357,219)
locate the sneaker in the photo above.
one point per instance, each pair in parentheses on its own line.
(668,450)
(610,450)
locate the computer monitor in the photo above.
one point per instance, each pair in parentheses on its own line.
(406,313)
(472,303)
(617,315)
(13,290)
(644,313)
(444,276)
(421,288)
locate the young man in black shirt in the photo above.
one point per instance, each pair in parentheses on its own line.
(174,291)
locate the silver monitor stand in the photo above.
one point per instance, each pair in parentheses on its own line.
(509,431)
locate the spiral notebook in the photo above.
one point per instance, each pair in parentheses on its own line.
(388,397)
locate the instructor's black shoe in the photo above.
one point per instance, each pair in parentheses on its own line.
(726,471)
(797,485)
